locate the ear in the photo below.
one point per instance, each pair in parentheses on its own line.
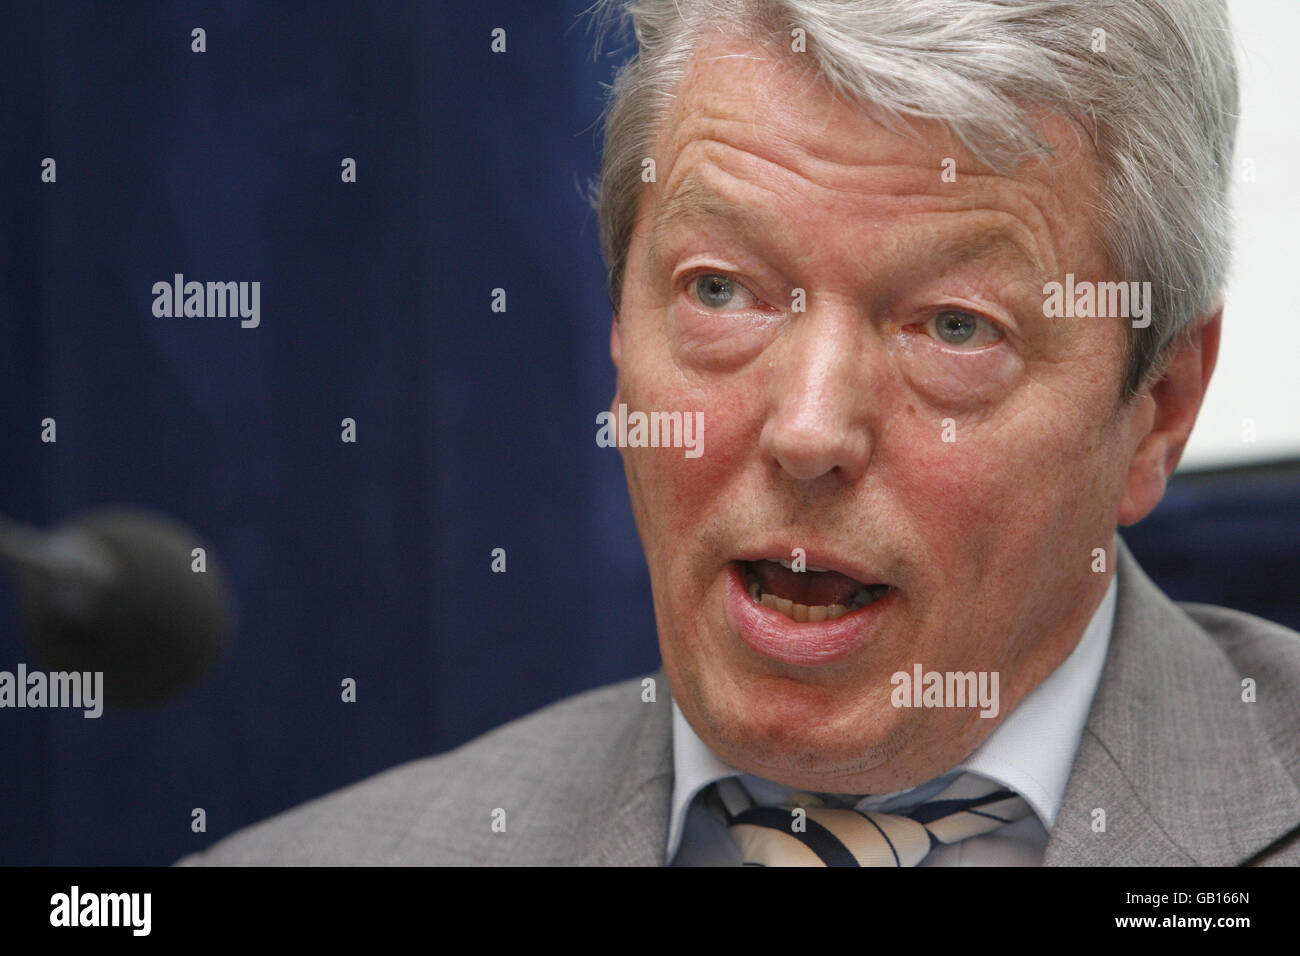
(1167,415)
(615,353)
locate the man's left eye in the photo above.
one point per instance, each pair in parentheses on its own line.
(962,330)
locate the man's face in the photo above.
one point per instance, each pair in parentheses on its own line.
(920,428)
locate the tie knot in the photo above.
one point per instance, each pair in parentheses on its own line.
(809,801)
(817,801)
(809,832)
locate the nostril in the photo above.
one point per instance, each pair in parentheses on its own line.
(811,452)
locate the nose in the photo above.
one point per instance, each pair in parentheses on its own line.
(818,423)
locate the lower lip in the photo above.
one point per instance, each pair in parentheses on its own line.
(809,644)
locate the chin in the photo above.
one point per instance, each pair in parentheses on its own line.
(793,733)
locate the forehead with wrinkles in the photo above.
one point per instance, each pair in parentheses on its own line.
(753,144)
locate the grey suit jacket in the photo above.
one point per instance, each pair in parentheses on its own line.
(1186,771)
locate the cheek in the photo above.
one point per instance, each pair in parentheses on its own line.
(949,494)
(677,493)
(1010,503)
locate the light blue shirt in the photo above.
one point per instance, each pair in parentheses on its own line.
(1030,752)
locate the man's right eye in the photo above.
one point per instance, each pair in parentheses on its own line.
(715,291)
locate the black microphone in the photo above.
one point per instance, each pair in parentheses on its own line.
(116,591)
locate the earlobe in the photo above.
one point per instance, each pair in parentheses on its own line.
(1157,452)
(1144,485)
(1165,420)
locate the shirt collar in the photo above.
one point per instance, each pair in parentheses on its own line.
(1030,752)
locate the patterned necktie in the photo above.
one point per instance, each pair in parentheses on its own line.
(772,836)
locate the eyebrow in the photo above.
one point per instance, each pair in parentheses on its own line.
(992,244)
(695,200)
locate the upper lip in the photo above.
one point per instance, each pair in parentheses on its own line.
(815,557)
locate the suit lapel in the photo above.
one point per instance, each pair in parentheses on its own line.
(1171,754)
(627,819)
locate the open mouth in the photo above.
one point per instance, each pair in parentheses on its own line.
(814,594)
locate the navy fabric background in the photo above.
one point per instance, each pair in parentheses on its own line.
(475,428)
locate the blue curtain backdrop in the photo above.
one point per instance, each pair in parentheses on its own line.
(475,428)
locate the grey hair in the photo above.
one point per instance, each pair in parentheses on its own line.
(1159,104)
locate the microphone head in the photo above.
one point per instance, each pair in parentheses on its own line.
(153,629)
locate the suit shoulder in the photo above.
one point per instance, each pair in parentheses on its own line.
(1252,643)
(440,809)
(1269,655)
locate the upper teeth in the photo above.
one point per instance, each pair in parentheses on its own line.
(868,594)
(790,567)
